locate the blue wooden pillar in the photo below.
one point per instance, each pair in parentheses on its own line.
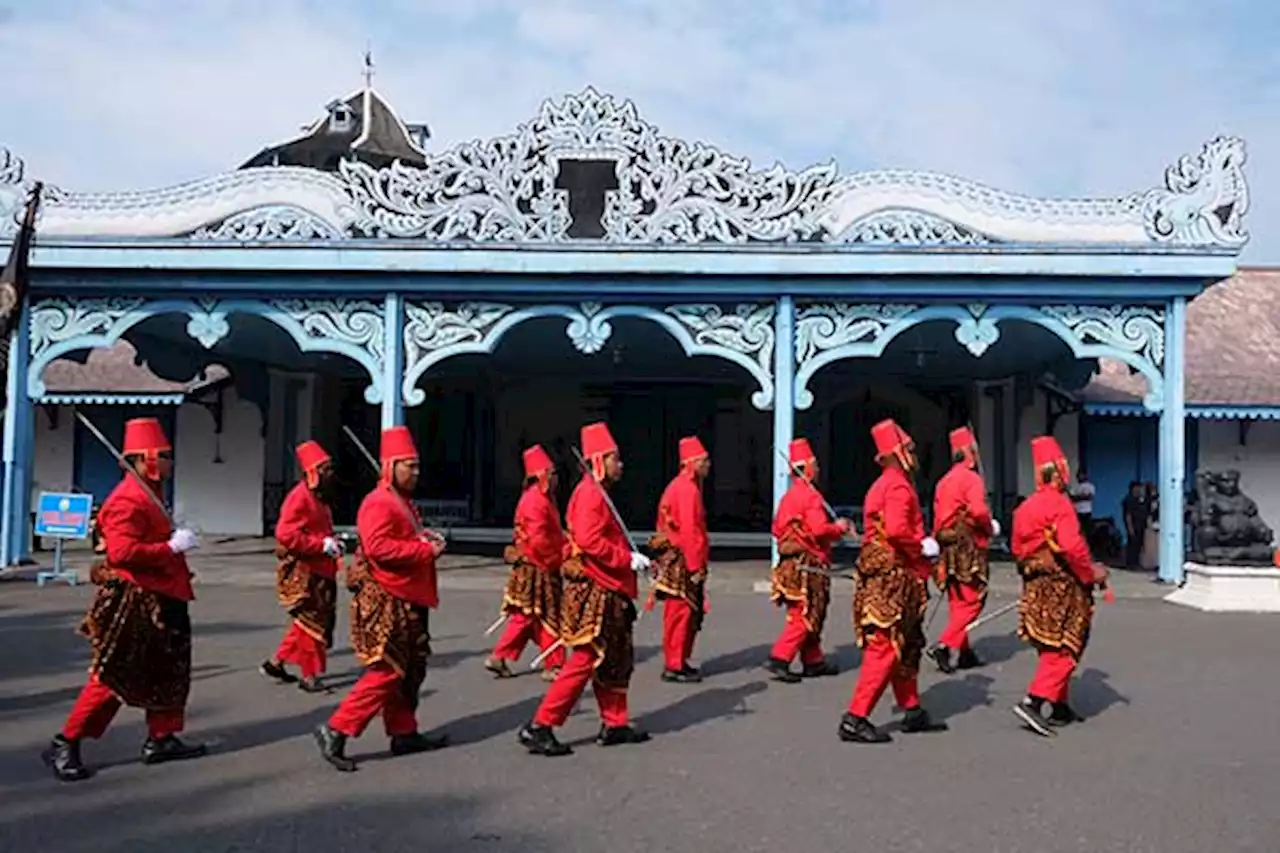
(19,447)
(393,361)
(1173,445)
(784,391)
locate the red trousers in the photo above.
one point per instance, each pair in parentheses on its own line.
(964,604)
(796,637)
(378,690)
(299,647)
(879,670)
(677,633)
(1053,674)
(97,706)
(567,689)
(520,630)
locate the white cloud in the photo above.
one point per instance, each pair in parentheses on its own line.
(1088,98)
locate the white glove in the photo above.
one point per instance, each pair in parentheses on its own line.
(183,540)
(995,527)
(639,562)
(929,547)
(332,547)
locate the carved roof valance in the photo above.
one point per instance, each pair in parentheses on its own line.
(587,167)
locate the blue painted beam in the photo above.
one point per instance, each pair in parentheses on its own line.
(1196,411)
(993,289)
(1173,442)
(19,446)
(393,361)
(784,355)
(784,260)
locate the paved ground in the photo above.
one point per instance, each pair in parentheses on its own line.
(1180,753)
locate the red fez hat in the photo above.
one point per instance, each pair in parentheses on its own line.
(801,452)
(536,461)
(691,449)
(962,439)
(310,457)
(1046,453)
(397,444)
(597,440)
(889,438)
(144,436)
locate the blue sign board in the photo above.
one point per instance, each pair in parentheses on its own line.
(60,516)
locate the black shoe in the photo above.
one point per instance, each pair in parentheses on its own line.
(498,667)
(417,742)
(917,719)
(1063,715)
(692,670)
(941,657)
(312,685)
(541,740)
(859,730)
(781,671)
(968,660)
(63,757)
(333,748)
(1028,710)
(821,670)
(276,672)
(684,676)
(170,748)
(615,735)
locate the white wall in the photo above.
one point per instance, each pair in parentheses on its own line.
(220,498)
(1257,460)
(54,453)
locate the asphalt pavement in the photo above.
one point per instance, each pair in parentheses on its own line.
(1181,751)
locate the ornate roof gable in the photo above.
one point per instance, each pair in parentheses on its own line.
(642,188)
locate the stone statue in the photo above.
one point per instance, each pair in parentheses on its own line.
(1227,528)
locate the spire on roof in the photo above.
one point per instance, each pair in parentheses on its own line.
(368,66)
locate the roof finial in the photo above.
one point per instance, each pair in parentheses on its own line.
(368,66)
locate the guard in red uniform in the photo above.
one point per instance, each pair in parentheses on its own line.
(963,527)
(802,581)
(1058,579)
(597,610)
(138,626)
(532,597)
(306,572)
(889,604)
(680,567)
(394,581)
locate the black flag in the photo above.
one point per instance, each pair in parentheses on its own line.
(13,281)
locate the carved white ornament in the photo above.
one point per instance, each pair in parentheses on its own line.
(1133,329)
(353,328)
(503,190)
(434,332)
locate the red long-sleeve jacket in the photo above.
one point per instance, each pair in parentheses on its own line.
(1048,518)
(305,522)
(891,509)
(399,559)
(595,534)
(682,518)
(136,535)
(961,490)
(538,534)
(801,511)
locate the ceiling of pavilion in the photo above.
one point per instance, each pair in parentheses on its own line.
(587,168)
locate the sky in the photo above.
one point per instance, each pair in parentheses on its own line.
(1082,98)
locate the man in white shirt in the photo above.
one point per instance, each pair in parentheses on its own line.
(1082,499)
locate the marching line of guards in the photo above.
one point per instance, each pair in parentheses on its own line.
(573,587)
